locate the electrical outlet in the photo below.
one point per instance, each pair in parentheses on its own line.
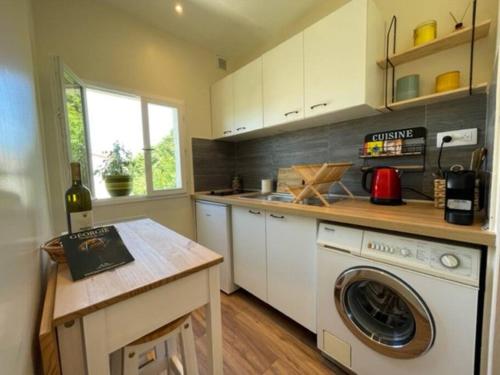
(463,137)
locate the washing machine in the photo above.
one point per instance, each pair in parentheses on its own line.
(396,305)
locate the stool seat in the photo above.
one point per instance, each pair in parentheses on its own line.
(160,332)
(158,352)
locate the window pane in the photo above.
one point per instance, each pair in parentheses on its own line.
(76,124)
(116,139)
(164,139)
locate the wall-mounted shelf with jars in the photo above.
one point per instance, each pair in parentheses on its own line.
(435,98)
(451,40)
(461,35)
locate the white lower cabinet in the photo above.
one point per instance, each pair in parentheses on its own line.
(249,250)
(275,260)
(291,260)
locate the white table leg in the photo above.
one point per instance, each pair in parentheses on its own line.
(71,351)
(94,333)
(214,325)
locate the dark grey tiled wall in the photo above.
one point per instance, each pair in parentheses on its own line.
(260,158)
(213,164)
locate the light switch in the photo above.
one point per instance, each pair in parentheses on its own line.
(462,137)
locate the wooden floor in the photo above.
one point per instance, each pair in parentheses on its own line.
(259,340)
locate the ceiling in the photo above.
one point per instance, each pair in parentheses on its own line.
(231,28)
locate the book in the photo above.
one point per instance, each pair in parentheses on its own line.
(93,251)
(374,148)
(393,147)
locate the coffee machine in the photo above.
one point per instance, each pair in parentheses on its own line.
(460,192)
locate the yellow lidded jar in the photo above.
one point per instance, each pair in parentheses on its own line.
(425,32)
(448,81)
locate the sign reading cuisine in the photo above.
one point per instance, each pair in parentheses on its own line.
(394,142)
(93,251)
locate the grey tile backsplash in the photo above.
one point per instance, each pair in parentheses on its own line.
(215,162)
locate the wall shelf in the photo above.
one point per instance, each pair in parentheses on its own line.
(435,98)
(411,143)
(394,151)
(390,155)
(451,40)
(404,168)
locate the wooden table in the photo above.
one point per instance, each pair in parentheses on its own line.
(94,317)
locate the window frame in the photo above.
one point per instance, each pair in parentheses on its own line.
(151,192)
(148,167)
(62,118)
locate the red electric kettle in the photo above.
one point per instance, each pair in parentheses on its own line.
(385,186)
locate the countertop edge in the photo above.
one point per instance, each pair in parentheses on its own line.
(466,234)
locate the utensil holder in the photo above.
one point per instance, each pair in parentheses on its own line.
(440,194)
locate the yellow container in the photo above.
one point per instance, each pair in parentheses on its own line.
(448,81)
(425,32)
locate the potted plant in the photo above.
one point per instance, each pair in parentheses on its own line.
(115,171)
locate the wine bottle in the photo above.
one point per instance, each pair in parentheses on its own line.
(78,203)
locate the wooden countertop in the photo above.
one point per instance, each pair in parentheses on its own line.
(161,256)
(418,218)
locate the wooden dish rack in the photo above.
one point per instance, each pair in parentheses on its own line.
(318,178)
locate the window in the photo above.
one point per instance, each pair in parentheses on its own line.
(77,133)
(142,135)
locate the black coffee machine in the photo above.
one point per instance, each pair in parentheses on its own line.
(460,191)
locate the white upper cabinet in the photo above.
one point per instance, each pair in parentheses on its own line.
(326,74)
(222,107)
(283,82)
(340,54)
(248,114)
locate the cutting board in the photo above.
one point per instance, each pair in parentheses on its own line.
(288,177)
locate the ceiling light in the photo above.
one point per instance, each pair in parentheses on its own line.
(178,8)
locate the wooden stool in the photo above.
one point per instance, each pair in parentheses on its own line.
(157,352)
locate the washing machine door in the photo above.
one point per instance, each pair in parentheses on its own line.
(384,312)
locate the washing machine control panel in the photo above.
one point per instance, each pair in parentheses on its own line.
(450,261)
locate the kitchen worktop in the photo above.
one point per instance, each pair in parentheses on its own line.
(417,218)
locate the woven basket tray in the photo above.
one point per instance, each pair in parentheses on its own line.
(440,194)
(55,250)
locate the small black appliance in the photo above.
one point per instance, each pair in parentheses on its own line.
(460,186)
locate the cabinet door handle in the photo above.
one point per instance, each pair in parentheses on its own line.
(291,113)
(241,128)
(319,105)
(277,217)
(330,229)
(228,131)
(254,212)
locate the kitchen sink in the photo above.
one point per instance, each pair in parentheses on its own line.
(288,198)
(273,197)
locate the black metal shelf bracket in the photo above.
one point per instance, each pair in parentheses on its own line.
(392,28)
(472,43)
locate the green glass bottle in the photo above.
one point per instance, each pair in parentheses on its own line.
(78,203)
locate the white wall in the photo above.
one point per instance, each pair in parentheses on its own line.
(24,221)
(101,44)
